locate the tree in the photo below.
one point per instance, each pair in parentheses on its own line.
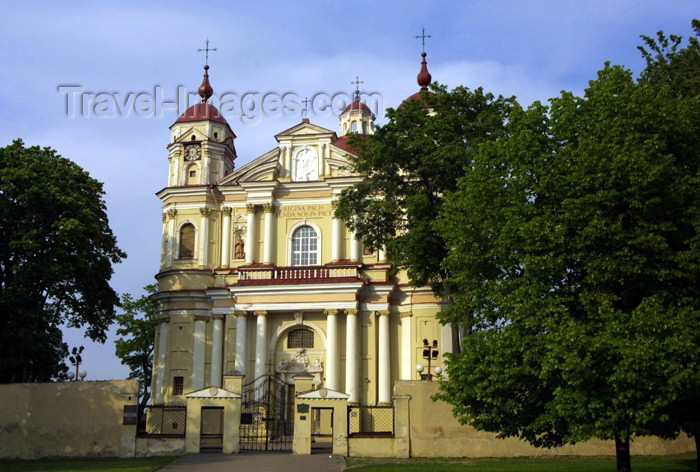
(407,167)
(56,256)
(576,252)
(137,326)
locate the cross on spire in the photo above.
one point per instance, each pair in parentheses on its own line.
(305,110)
(206,52)
(423,36)
(357,83)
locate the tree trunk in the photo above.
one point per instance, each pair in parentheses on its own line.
(622,452)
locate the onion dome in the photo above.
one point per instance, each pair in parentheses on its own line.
(203,111)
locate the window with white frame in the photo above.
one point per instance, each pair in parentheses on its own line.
(305,246)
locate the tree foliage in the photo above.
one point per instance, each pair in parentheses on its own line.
(576,251)
(56,256)
(408,165)
(137,326)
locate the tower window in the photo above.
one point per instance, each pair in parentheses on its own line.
(305,246)
(364,127)
(354,126)
(300,339)
(178,385)
(187,241)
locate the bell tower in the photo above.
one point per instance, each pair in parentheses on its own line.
(201,149)
(357,117)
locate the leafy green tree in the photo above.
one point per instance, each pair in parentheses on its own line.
(407,167)
(56,256)
(137,326)
(576,253)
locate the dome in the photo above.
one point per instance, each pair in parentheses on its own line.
(202,112)
(357,105)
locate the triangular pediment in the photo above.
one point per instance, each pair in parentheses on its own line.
(186,136)
(212,392)
(305,130)
(265,167)
(323,394)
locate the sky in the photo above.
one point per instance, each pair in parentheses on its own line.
(102,82)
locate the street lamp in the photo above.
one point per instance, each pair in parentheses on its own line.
(76,359)
(430,353)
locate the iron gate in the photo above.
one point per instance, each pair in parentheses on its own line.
(267,415)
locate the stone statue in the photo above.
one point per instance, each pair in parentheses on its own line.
(239,249)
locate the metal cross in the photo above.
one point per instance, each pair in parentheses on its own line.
(357,83)
(423,36)
(305,110)
(206,51)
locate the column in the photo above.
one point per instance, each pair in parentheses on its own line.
(169,250)
(251,236)
(332,349)
(200,334)
(226,237)
(382,255)
(204,236)
(270,239)
(351,362)
(384,360)
(355,253)
(406,347)
(336,232)
(162,351)
(261,344)
(164,243)
(241,361)
(288,161)
(217,351)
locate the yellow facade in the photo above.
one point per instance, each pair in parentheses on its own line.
(257,277)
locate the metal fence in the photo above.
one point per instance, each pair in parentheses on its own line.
(163,421)
(370,421)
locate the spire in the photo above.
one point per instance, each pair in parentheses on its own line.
(424,76)
(205,90)
(356,83)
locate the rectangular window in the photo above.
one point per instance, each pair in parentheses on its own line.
(178,385)
(300,339)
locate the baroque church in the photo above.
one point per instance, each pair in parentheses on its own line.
(259,279)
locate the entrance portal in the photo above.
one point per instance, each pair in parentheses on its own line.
(321,429)
(212,430)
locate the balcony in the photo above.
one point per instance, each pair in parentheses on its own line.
(272,275)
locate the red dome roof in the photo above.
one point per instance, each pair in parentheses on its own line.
(357,105)
(202,112)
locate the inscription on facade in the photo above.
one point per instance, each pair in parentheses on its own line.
(304,211)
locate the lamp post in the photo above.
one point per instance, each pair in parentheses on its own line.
(430,353)
(76,359)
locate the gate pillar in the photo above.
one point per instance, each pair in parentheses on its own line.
(213,397)
(307,399)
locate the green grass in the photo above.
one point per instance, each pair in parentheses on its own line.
(675,463)
(141,464)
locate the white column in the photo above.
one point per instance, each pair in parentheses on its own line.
(204,236)
(351,362)
(241,360)
(251,235)
(270,239)
(406,349)
(384,360)
(261,344)
(354,248)
(332,349)
(162,351)
(336,231)
(382,255)
(171,236)
(226,237)
(217,351)
(200,334)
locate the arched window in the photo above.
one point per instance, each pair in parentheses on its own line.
(186,241)
(354,126)
(300,339)
(305,246)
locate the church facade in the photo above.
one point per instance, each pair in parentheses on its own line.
(258,277)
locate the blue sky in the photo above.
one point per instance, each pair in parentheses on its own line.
(530,49)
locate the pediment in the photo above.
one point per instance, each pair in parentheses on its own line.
(323,394)
(305,130)
(212,392)
(265,167)
(186,136)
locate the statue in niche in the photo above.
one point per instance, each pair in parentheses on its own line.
(239,248)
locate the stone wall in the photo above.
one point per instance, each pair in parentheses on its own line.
(434,432)
(67,419)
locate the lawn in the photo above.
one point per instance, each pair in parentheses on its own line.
(674,463)
(141,464)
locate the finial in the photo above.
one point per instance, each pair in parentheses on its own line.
(424,76)
(206,52)
(357,82)
(205,90)
(305,110)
